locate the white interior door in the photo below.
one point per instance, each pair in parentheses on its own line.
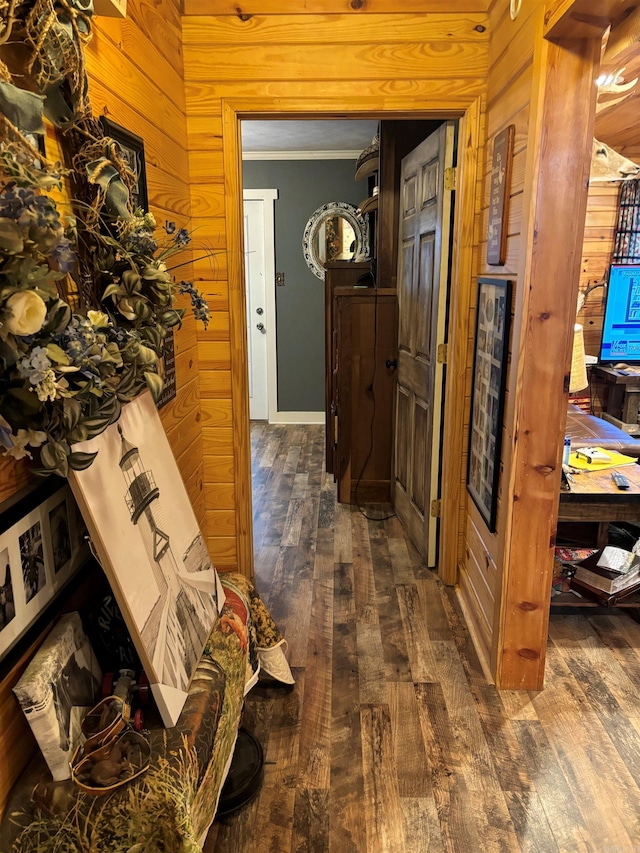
(260,301)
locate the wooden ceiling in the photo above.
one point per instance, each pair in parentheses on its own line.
(326,7)
(617,125)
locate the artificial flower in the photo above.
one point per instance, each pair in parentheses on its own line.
(65,373)
(27,313)
(22,439)
(98,319)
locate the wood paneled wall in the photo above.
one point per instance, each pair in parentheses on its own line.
(506,576)
(510,88)
(135,71)
(597,252)
(136,78)
(305,65)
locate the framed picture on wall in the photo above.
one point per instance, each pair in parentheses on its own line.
(42,545)
(132,150)
(491,347)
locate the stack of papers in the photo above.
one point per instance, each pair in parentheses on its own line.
(600,460)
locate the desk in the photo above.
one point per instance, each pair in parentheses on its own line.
(595,497)
(624,396)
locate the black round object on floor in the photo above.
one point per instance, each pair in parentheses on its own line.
(245,774)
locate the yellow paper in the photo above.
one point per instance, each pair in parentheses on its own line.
(615,460)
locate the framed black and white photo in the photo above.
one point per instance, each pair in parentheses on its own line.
(61,683)
(132,150)
(493,315)
(42,545)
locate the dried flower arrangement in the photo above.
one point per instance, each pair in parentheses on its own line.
(85,304)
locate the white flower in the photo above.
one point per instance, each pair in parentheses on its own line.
(24,437)
(48,388)
(28,313)
(98,319)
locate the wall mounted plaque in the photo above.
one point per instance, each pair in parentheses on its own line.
(499,196)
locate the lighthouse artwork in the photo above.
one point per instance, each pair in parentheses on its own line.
(148,541)
(177,627)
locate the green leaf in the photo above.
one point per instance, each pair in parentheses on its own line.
(142,310)
(10,237)
(78,434)
(57,354)
(155,384)
(153,336)
(9,352)
(54,458)
(72,412)
(111,290)
(131,281)
(171,318)
(27,399)
(59,317)
(94,426)
(81,461)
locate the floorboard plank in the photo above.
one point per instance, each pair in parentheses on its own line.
(392,739)
(382,809)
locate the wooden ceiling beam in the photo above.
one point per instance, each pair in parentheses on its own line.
(248,8)
(576,19)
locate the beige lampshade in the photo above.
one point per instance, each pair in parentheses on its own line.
(578,378)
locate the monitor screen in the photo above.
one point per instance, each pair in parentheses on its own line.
(621,329)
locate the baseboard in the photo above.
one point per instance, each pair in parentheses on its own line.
(297,418)
(472,628)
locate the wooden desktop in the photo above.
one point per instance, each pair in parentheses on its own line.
(593,496)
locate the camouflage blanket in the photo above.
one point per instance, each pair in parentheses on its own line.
(171,806)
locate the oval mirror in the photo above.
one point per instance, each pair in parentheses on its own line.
(334,232)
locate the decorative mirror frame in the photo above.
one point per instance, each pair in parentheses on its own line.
(333,208)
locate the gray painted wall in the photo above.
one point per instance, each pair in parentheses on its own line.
(303,186)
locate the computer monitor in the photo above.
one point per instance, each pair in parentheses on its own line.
(621,329)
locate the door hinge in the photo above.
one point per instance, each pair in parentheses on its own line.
(450,176)
(435,508)
(441,354)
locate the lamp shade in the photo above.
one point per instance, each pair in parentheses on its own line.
(578,378)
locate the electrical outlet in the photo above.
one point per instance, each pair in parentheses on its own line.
(279,279)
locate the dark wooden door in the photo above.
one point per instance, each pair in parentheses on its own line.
(425,209)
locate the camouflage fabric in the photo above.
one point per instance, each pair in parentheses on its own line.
(170,807)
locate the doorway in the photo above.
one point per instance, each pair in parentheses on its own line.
(468,109)
(286,155)
(284,121)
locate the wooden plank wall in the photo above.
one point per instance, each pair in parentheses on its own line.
(135,78)
(597,251)
(510,85)
(135,69)
(359,61)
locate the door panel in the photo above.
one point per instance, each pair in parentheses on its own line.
(421,418)
(403,431)
(405,284)
(422,270)
(423,316)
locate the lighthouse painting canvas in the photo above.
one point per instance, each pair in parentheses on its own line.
(147,539)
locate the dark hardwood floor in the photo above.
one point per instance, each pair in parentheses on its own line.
(392,739)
